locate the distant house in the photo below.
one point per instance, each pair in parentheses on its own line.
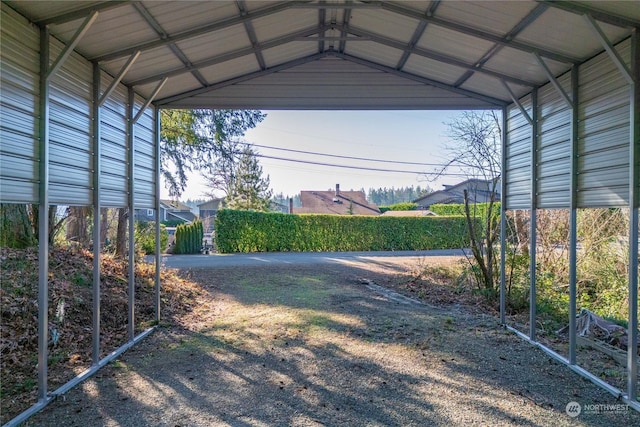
(479,191)
(208,212)
(279,207)
(417,213)
(335,203)
(170,210)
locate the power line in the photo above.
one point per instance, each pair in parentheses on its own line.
(349,166)
(346,157)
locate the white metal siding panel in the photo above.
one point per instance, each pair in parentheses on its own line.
(518,157)
(604,132)
(145,157)
(19,77)
(113,121)
(329,83)
(70,140)
(554,146)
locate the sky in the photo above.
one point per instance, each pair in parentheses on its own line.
(390,136)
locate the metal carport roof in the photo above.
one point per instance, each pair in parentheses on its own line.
(336,54)
(565,74)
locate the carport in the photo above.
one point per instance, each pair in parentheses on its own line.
(83,83)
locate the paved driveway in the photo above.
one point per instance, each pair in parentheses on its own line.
(294,258)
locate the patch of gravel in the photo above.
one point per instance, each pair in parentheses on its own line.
(329,345)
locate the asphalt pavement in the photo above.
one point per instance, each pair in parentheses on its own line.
(294,258)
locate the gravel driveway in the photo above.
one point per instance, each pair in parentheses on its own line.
(329,345)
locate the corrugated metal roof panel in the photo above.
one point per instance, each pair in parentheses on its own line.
(523,65)
(448,42)
(179,84)
(38,10)
(284,22)
(114,28)
(628,9)
(178,16)
(150,62)
(568,33)
(386,23)
(433,69)
(485,15)
(374,52)
(491,86)
(288,52)
(234,68)
(216,43)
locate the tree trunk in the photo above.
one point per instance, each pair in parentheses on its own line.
(15,227)
(104,226)
(121,236)
(77,225)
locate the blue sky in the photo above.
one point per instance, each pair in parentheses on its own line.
(406,136)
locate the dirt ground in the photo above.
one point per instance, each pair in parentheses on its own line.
(330,345)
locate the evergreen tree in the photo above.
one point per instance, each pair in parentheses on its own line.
(249,188)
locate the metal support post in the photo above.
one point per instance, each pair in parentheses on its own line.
(573,217)
(634,202)
(96,214)
(534,205)
(157,208)
(131,209)
(43,218)
(503,221)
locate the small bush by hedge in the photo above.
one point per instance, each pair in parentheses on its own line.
(188,238)
(246,231)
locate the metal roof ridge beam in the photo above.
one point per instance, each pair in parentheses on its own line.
(424,80)
(243,78)
(219,25)
(517,102)
(118,78)
(228,56)
(474,32)
(600,15)
(68,50)
(437,56)
(554,81)
(150,99)
(613,53)
(80,13)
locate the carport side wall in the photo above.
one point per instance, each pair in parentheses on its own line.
(71,142)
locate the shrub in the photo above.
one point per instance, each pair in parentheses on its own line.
(145,237)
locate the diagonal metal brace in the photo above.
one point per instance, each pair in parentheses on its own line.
(86,24)
(516,101)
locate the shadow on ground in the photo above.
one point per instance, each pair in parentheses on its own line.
(317,345)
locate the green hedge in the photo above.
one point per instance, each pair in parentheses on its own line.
(188,238)
(246,231)
(478,210)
